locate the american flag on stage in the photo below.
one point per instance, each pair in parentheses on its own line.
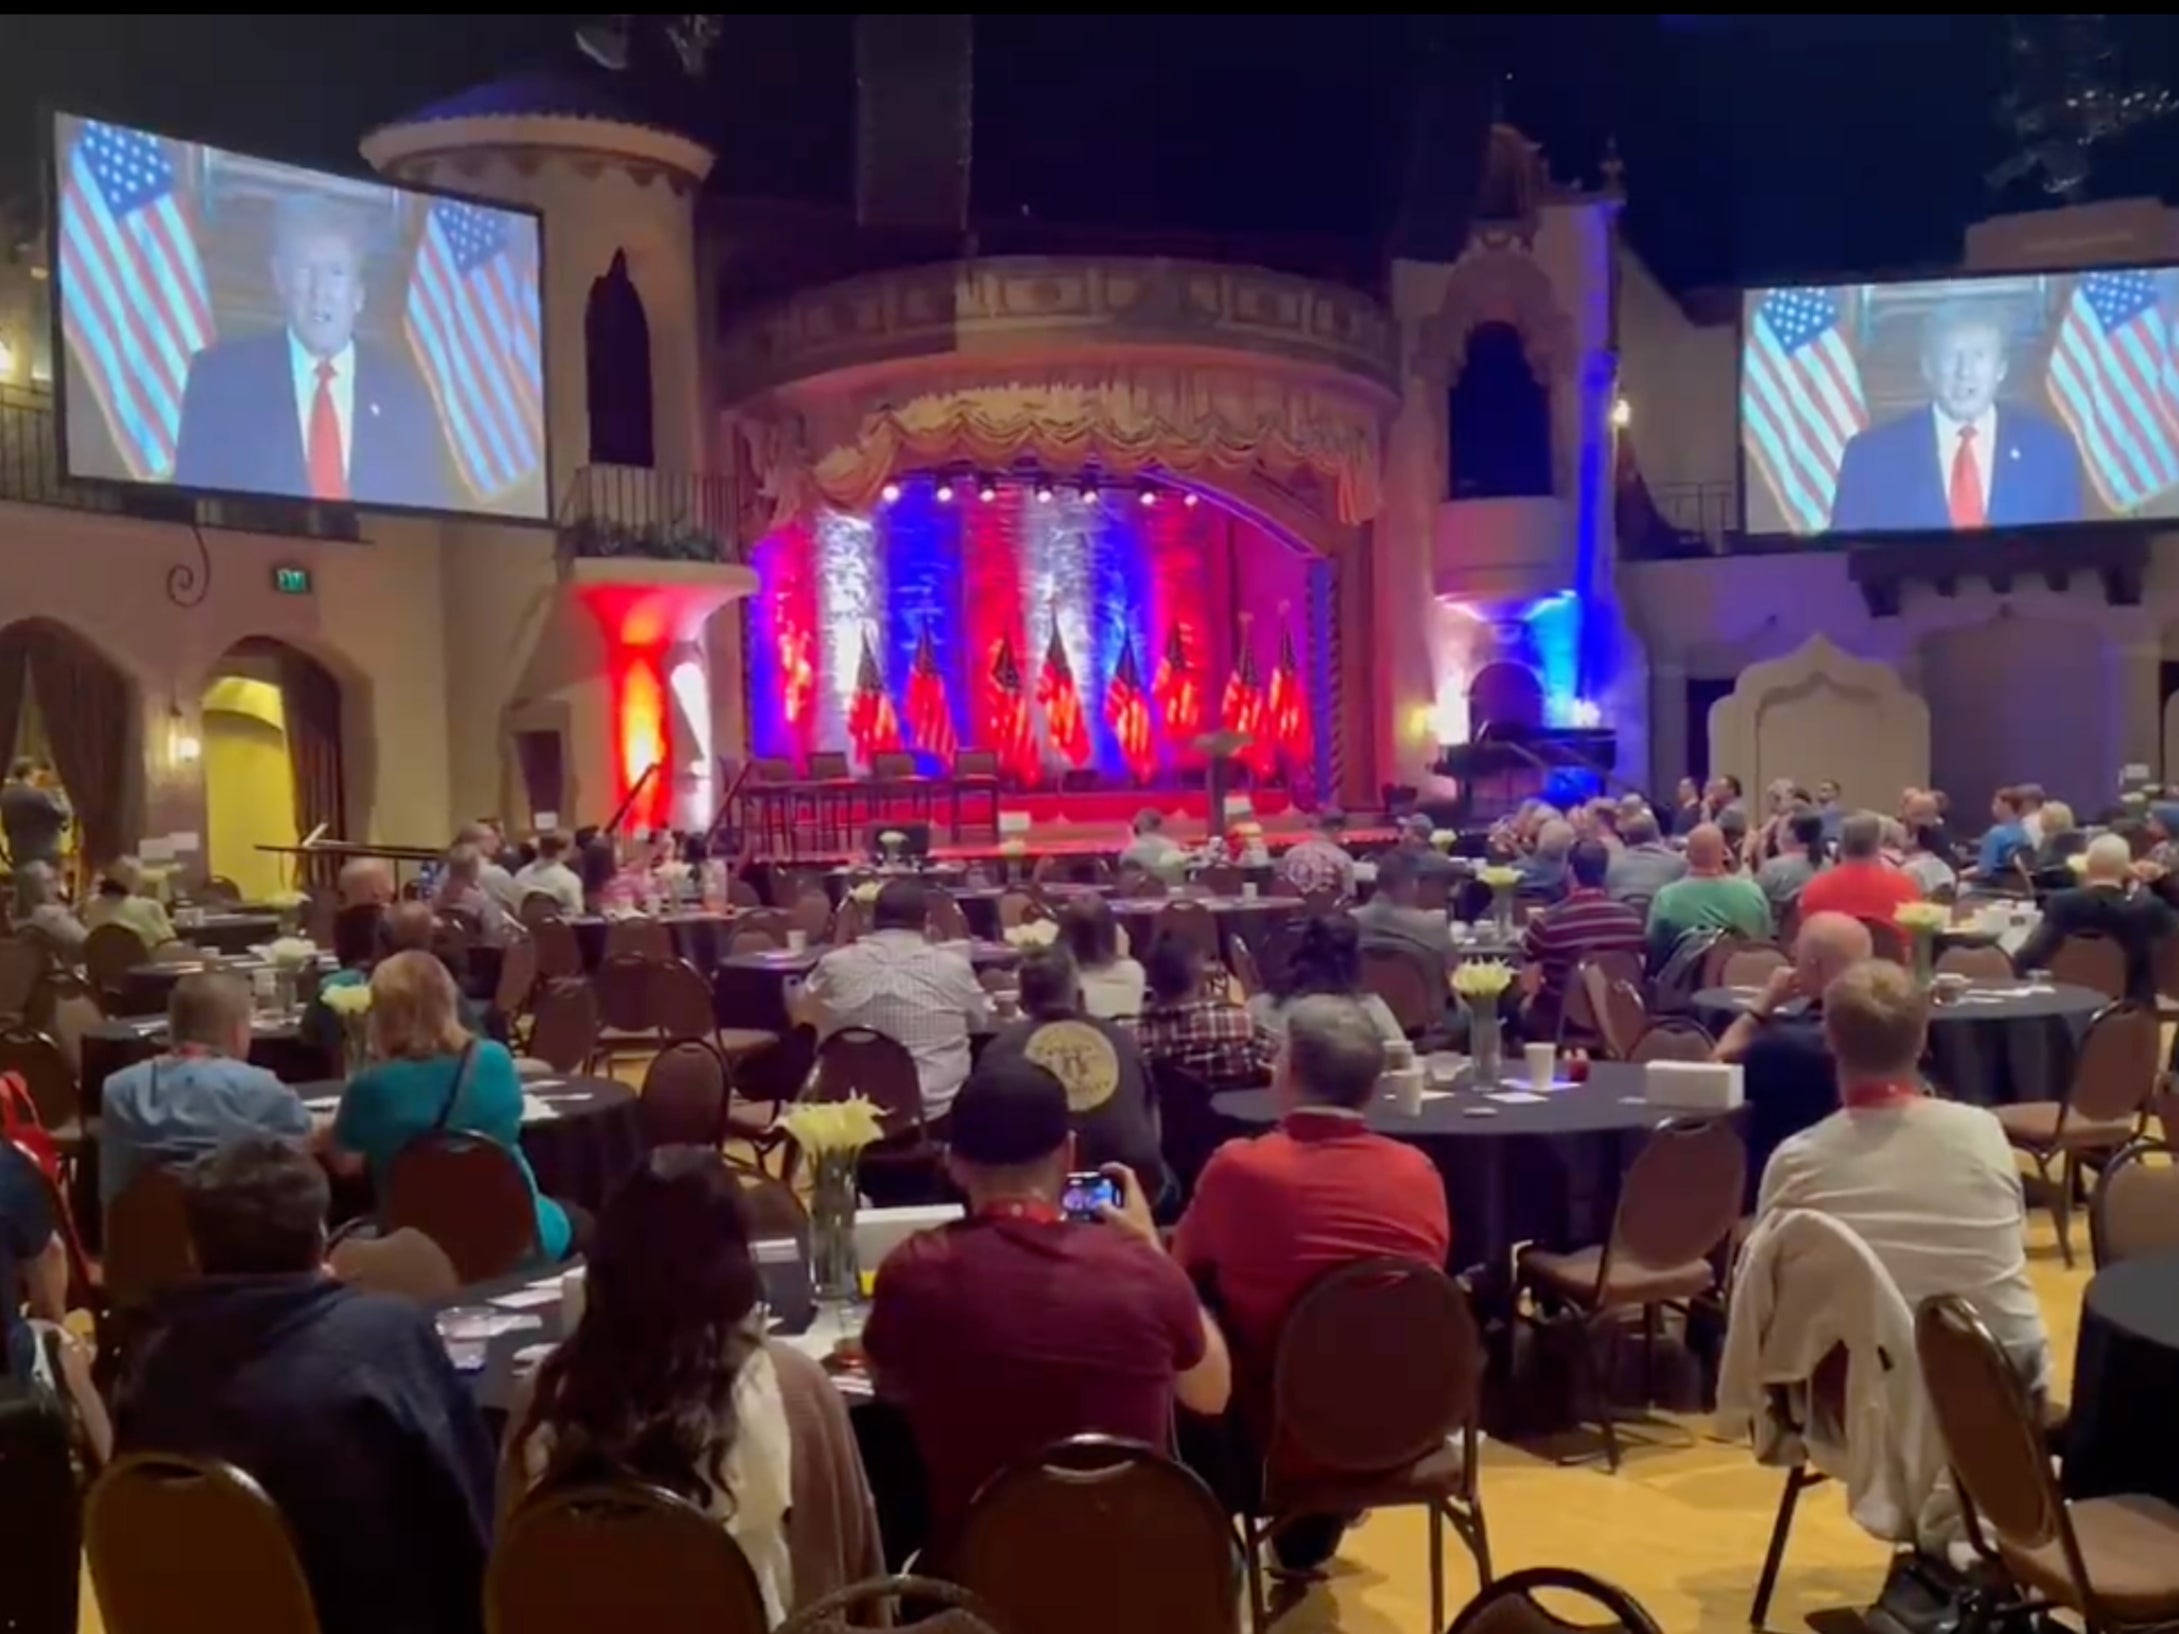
(930,716)
(1286,710)
(1800,400)
(1127,711)
(1013,735)
(2113,382)
(1180,698)
(1064,722)
(1241,710)
(872,725)
(135,306)
(472,319)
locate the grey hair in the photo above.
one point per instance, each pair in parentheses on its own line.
(1946,316)
(1641,829)
(299,214)
(1861,836)
(1334,1051)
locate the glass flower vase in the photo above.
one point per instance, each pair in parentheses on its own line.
(1922,948)
(1501,910)
(286,982)
(834,1270)
(1486,1042)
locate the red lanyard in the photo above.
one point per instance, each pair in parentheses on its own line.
(1033,1209)
(1873,1097)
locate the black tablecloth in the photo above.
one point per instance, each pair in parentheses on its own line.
(751,989)
(1547,1172)
(230,932)
(2124,1435)
(146,988)
(699,936)
(2018,1048)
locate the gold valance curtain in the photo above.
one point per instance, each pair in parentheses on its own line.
(91,720)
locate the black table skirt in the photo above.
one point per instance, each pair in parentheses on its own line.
(580,1156)
(2124,1434)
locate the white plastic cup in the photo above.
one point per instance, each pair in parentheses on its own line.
(1248,890)
(1407,1091)
(798,941)
(1543,1063)
(574,1298)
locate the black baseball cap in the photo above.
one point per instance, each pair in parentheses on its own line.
(1010,1112)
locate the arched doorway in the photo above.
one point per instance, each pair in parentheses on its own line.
(274,769)
(1497,421)
(65,703)
(617,352)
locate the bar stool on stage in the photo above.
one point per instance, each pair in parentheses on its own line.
(976,782)
(834,799)
(769,797)
(897,788)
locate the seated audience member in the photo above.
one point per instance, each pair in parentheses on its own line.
(462,890)
(1689,810)
(597,866)
(1325,958)
(122,900)
(2007,834)
(360,935)
(1193,1022)
(198,1094)
(550,876)
(1708,898)
(1732,823)
(1017,1327)
(1800,854)
(1152,849)
(1543,870)
(40,910)
(897,983)
(429,1074)
(1271,1216)
(1790,1076)
(2105,903)
(367,882)
(1928,861)
(1930,1185)
(484,838)
(1580,925)
(1321,861)
(341,1404)
(1924,808)
(1111,1110)
(414,927)
(2062,841)
(1112,982)
(33,1263)
(1861,885)
(2031,814)
(1395,921)
(1418,844)
(1644,865)
(667,1379)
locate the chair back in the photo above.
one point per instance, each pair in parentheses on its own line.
(1621,1016)
(41,1514)
(22,962)
(2115,1069)
(467,1194)
(1189,1131)
(1680,1199)
(191,1546)
(862,1061)
(517,977)
(1982,962)
(618,1555)
(942,1608)
(1749,964)
(943,920)
(1509,1606)
(1221,879)
(405,1264)
(2134,1210)
(623,985)
(537,907)
(2089,959)
(147,1239)
(1673,1039)
(810,912)
(46,1074)
(772,1208)
(564,1024)
(1094,1500)
(638,935)
(684,1096)
(110,952)
(1191,921)
(1401,981)
(1993,1436)
(1018,905)
(559,954)
(974,763)
(829,766)
(679,1004)
(1376,1365)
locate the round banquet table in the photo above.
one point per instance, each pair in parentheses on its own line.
(227,932)
(1543,1171)
(578,1154)
(145,988)
(699,935)
(2002,1042)
(2124,1433)
(1251,918)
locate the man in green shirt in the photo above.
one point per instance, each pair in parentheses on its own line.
(1707,898)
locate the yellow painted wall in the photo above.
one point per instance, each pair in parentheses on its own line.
(249,790)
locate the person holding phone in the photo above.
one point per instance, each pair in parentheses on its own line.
(1019,1326)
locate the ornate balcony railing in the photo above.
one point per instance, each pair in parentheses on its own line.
(30,474)
(661,516)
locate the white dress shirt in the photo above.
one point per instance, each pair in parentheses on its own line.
(343,387)
(926,997)
(1982,449)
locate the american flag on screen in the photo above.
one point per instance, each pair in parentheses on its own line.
(135,306)
(2112,381)
(1800,401)
(472,319)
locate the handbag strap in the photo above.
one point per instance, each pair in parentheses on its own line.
(461,1077)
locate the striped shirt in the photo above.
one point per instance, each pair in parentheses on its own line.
(1583,924)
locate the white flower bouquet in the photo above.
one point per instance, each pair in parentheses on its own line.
(1032,933)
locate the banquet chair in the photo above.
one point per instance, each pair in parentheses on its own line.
(1018,905)
(1191,921)
(2111,1561)
(943,920)
(1510,1606)
(405,1264)
(621,1554)
(2105,1105)
(1679,1201)
(683,1099)
(110,952)
(192,1546)
(937,1608)
(2087,959)
(537,906)
(626,1022)
(517,982)
(1579,1020)
(467,1194)
(1749,964)
(52,1086)
(1674,1038)
(862,1061)
(2134,1209)
(1400,979)
(559,954)
(1376,1387)
(1621,1015)
(1189,1131)
(23,961)
(146,1240)
(1160,1543)
(640,936)
(1985,962)
(680,1007)
(41,1514)
(975,788)
(1221,879)
(808,911)
(564,1024)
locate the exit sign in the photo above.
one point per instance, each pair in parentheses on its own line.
(290,580)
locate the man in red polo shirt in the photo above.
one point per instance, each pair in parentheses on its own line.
(1863,885)
(1016,1327)
(1274,1214)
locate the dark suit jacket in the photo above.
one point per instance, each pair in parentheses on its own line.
(241,431)
(1891,476)
(2136,920)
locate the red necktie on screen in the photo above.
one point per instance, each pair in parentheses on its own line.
(329,473)
(1965,497)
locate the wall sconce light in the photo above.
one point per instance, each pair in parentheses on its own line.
(1622,413)
(7,359)
(183,747)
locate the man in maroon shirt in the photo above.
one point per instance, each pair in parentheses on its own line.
(1273,1215)
(1581,924)
(1017,1327)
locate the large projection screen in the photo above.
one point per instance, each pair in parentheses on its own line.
(234,325)
(1953,405)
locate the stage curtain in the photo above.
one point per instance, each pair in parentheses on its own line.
(310,707)
(90,716)
(14,684)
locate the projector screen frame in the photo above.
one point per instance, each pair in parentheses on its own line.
(1750,541)
(50,114)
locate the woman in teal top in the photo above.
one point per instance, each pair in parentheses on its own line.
(422,1059)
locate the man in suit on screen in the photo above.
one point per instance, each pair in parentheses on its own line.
(1966,461)
(311,410)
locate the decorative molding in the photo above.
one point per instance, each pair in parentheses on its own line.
(1497,286)
(1879,741)
(188,583)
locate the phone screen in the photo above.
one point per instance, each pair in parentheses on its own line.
(1084,1192)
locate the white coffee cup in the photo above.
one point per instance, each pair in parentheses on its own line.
(1248,889)
(798,941)
(1543,1061)
(1406,1085)
(574,1296)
